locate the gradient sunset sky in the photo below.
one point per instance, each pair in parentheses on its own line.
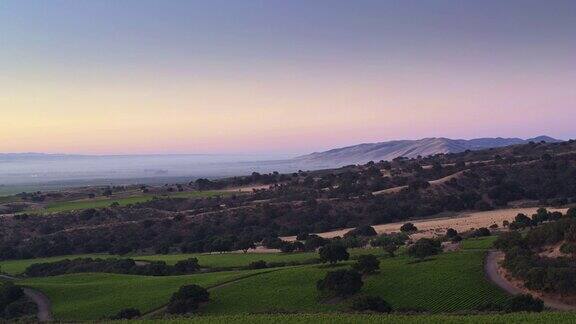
(288,76)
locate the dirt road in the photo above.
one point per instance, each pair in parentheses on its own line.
(493,273)
(42,302)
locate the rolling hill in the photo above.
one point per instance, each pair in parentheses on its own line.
(362,153)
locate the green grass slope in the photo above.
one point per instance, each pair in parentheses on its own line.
(446,283)
(229,260)
(449,282)
(480,243)
(16,267)
(91,296)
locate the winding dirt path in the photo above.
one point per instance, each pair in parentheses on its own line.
(495,275)
(42,302)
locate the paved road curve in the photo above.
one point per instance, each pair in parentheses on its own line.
(491,269)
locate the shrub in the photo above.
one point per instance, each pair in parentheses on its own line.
(367,264)
(187,299)
(568,248)
(490,307)
(340,283)
(333,253)
(302,236)
(354,241)
(390,242)
(521,221)
(450,233)
(370,303)
(187,266)
(287,247)
(456,239)
(408,228)
(508,240)
(424,247)
(112,265)
(9,293)
(127,313)
(19,308)
(362,231)
(314,241)
(524,303)
(482,231)
(260,264)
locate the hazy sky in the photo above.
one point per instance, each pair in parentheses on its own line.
(248,76)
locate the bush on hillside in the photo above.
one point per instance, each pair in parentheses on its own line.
(127,313)
(260,264)
(187,299)
(13,304)
(480,232)
(408,228)
(370,303)
(362,231)
(333,253)
(367,264)
(524,303)
(340,283)
(112,265)
(424,247)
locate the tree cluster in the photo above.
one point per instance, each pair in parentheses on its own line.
(112,265)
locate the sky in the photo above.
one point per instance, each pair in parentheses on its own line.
(216,76)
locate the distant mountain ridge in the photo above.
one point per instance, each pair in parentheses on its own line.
(362,153)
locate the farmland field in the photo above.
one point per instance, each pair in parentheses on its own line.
(334,318)
(449,282)
(96,296)
(106,202)
(16,267)
(228,260)
(479,243)
(224,260)
(286,290)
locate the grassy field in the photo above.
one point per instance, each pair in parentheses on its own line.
(96,296)
(230,260)
(517,318)
(100,202)
(16,267)
(224,260)
(286,290)
(449,282)
(483,243)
